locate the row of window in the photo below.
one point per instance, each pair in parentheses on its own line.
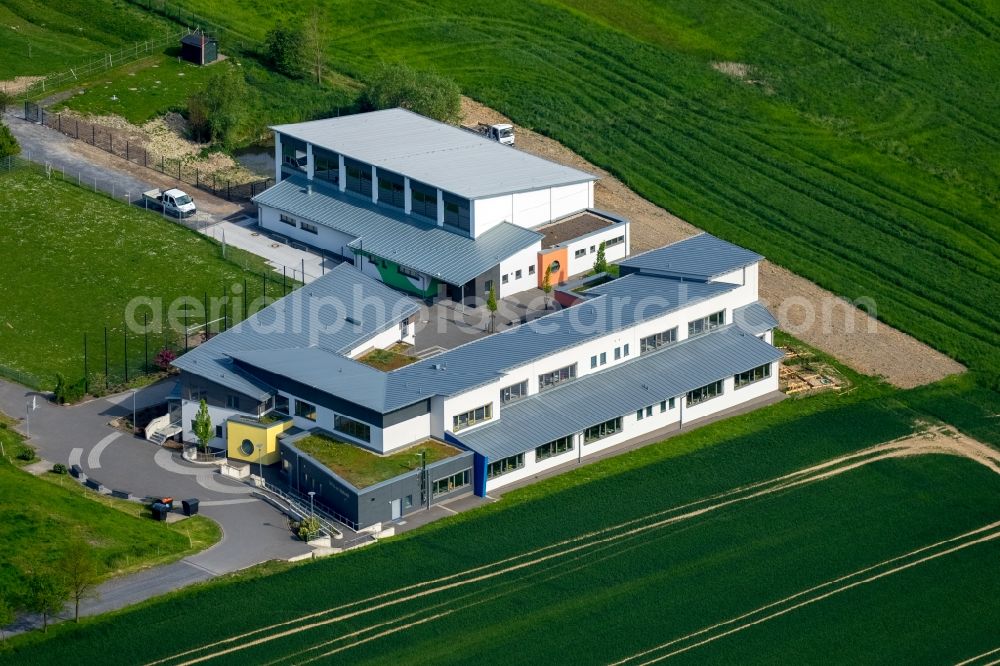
(657,340)
(705,324)
(342,424)
(450,483)
(292,222)
(614,426)
(472,417)
(505,278)
(640,414)
(751,376)
(549,379)
(617,240)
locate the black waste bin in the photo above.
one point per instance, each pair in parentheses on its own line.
(160,511)
(190,506)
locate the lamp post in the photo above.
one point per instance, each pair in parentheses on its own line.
(134,424)
(260,461)
(312,508)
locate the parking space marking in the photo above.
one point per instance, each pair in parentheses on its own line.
(94,457)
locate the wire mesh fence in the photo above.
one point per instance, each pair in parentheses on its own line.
(106,61)
(136,152)
(130,352)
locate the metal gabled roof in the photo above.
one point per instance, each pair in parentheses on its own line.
(324,370)
(336,312)
(450,158)
(402,239)
(701,257)
(572,406)
(754,318)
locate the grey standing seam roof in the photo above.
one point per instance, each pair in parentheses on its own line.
(701,257)
(482,360)
(423,247)
(312,316)
(622,389)
(447,157)
(754,318)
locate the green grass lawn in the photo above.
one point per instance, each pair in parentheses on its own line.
(860,150)
(363,468)
(387,359)
(142,90)
(41,516)
(38,37)
(610,599)
(72,260)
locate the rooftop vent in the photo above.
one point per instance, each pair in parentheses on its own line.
(352,320)
(438,366)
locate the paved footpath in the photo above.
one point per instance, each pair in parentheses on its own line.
(253,531)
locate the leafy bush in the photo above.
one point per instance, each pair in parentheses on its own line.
(284,48)
(164,358)
(66,392)
(218,112)
(8,144)
(425,93)
(25,453)
(307,529)
(59,468)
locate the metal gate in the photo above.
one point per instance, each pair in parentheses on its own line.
(33,113)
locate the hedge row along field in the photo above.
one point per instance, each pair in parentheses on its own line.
(675,578)
(858,146)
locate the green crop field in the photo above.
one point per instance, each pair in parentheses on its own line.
(39,517)
(72,260)
(39,37)
(858,146)
(664,549)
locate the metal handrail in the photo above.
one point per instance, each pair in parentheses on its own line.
(298,502)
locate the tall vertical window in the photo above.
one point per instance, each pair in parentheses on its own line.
(293,153)
(390,189)
(456,212)
(327,166)
(423,200)
(705,324)
(305,410)
(359,177)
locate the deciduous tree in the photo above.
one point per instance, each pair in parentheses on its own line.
(79,566)
(202,426)
(425,93)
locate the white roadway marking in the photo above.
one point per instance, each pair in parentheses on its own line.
(75,456)
(94,457)
(228,502)
(204,476)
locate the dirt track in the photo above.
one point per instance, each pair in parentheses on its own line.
(837,327)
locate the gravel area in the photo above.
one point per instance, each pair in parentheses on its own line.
(836,327)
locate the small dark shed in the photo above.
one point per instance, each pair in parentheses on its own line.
(199,48)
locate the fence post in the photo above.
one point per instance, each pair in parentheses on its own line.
(229,189)
(93,135)
(197,178)
(106,358)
